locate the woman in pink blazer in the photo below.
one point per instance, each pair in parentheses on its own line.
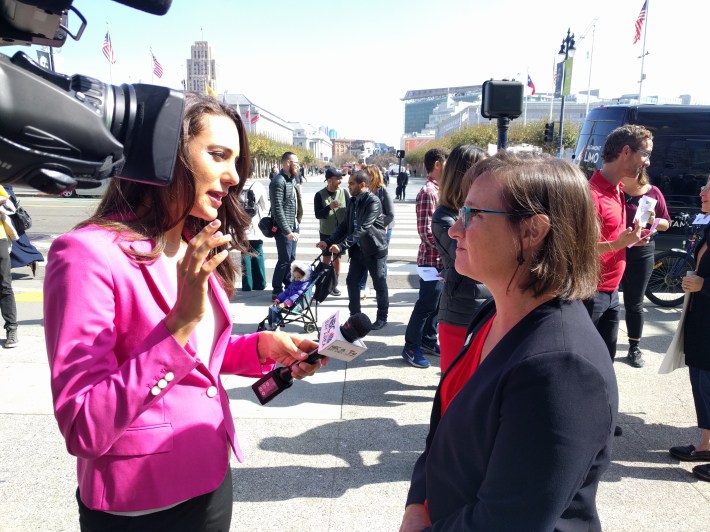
(138,331)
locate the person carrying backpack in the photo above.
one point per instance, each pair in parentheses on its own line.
(255,202)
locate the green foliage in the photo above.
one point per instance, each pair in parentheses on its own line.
(266,152)
(481,135)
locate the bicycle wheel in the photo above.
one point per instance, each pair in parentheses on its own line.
(664,286)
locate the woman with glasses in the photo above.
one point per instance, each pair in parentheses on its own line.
(695,346)
(522,421)
(639,259)
(461,295)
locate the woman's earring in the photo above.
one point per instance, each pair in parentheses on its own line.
(521,260)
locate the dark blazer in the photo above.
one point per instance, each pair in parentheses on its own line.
(370,231)
(524,443)
(697,317)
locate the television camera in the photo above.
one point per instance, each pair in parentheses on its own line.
(60,132)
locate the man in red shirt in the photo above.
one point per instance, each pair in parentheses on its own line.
(421,333)
(626,153)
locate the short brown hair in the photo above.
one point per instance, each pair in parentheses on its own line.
(629,135)
(567,264)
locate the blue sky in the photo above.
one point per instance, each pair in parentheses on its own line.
(347,64)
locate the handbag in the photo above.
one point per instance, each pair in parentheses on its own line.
(675,356)
(267,226)
(22,218)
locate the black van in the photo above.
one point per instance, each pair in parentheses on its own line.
(680,164)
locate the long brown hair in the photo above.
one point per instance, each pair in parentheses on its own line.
(376,179)
(136,211)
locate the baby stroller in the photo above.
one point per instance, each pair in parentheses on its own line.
(320,282)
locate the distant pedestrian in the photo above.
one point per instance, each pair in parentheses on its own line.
(284,206)
(8,307)
(274,172)
(421,333)
(253,267)
(402,180)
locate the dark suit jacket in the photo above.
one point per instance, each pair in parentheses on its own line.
(697,317)
(524,443)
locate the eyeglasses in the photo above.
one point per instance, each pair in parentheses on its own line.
(466,213)
(645,153)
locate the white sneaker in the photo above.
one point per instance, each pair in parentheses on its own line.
(363,293)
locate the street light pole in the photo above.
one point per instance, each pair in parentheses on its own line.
(567,50)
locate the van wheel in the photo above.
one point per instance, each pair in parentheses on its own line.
(69,194)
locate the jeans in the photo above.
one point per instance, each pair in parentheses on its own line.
(286,250)
(700,383)
(363,280)
(422,326)
(8,309)
(639,265)
(604,310)
(376,266)
(253,269)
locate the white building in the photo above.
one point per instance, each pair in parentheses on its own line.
(201,68)
(260,121)
(312,139)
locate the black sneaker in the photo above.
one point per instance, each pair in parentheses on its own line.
(274,295)
(11,339)
(378,324)
(336,292)
(618,431)
(636,357)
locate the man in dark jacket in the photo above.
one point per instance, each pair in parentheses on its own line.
(282,195)
(362,232)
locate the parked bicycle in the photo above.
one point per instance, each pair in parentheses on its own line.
(664,287)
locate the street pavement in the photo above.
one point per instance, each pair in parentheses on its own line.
(335,452)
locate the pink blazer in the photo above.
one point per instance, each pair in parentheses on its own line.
(148,422)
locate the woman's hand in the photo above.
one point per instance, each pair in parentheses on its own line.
(288,349)
(193,271)
(415,519)
(692,283)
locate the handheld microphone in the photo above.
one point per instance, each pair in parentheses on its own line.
(273,383)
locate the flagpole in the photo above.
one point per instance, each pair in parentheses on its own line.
(525,111)
(110,69)
(552,92)
(643,53)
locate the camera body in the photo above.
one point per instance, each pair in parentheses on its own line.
(61,132)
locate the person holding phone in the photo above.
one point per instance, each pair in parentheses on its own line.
(138,331)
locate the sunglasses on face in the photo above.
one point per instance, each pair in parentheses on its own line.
(466,213)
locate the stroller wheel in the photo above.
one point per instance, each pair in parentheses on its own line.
(309,327)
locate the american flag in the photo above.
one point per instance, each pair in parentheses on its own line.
(157,67)
(107,49)
(255,117)
(246,115)
(639,22)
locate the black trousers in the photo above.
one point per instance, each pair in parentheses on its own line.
(8,309)
(604,310)
(211,512)
(639,265)
(360,264)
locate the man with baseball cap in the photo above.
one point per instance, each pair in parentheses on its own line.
(329,205)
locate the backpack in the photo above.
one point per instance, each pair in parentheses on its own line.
(248,200)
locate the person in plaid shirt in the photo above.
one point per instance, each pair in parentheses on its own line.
(421,329)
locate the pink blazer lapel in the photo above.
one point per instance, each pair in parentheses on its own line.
(160,281)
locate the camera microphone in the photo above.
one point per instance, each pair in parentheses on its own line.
(276,381)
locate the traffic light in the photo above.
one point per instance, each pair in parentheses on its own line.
(400,154)
(550,132)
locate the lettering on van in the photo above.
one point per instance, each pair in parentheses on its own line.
(591,154)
